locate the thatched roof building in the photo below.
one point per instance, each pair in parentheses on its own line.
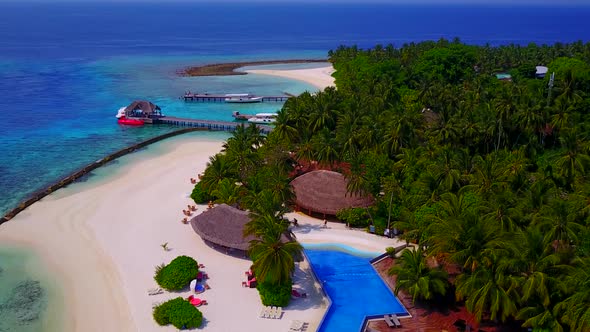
(325,192)
(142,108)
(223,225)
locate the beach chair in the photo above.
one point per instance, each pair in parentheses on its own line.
(278,312)
(296,325)
(273,312)
(155,291)
(388,321)
(395,320)
(265,313)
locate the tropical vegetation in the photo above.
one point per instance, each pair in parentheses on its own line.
(178,274)
(178,312)
(489,177)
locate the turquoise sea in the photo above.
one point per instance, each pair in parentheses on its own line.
(65,69)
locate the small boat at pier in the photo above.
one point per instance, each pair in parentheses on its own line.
(242,98)
(263,118)
(239,116)
(130,122)
(138,113)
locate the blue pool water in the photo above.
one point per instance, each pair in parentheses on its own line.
(355,288)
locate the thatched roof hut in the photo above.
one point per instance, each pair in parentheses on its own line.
(142,108)
(223,225)
(325,192)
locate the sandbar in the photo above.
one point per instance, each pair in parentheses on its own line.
(226,69)
(319,77)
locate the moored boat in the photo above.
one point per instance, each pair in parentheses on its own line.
(242,98)
(263,118)
(130,122)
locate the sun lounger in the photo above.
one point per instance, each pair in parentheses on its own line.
(155,291)
(395,320)
(388,321)
(296,325)
(274,313)
(278,312)
(265,312)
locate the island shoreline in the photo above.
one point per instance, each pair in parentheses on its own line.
(228,69)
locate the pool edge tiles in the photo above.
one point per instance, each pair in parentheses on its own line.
(341,248)
(337,267)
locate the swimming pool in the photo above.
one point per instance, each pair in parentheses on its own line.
(355,288)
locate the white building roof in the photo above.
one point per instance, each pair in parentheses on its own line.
(541,70)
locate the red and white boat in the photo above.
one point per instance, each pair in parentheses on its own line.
(123,120)
(130,122)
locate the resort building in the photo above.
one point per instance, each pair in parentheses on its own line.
(325,192)
(541,71)
(142,109)
(223,226)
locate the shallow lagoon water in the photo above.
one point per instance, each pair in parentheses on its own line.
(30,300)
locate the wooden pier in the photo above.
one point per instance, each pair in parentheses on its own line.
(221,97)
(206,124)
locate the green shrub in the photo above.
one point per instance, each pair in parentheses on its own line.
(179,313)
(390,251)
(354,217)
(274,294)
(200,195)
(177,274)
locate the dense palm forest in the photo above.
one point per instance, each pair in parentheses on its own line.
(487,176)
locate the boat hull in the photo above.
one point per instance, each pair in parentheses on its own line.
(244,100)
(130,122)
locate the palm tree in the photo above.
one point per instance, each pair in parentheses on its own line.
(573,161)
(228,192)
(488,289)
(538,273)
(284,129)
(414,276)
(576,306)
(240,150)
(265,203)
(266,225)
(274,260)
(218,168)
(559,223)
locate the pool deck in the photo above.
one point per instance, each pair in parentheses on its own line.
(312,231)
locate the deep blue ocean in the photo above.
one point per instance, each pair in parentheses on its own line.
(65,69)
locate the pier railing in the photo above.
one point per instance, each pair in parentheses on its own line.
(207,124)
(222,97)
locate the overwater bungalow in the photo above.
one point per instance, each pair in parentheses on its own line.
(144,110)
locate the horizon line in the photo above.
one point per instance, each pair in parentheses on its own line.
(484,3)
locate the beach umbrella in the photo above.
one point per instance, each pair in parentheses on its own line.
(193,284)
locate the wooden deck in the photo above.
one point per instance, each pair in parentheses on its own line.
(221,97)
(206,124)
(423,319)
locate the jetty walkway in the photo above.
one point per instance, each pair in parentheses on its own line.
(205,97)
(206,124)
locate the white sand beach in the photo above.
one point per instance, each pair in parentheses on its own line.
(319,77)
(102,240)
